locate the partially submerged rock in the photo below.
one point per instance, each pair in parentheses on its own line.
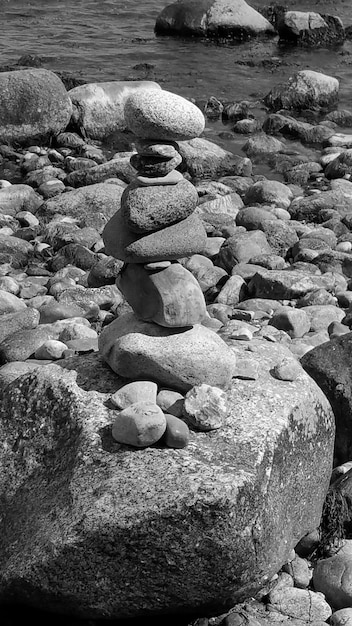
(311,29)
(305,90)
(213,19)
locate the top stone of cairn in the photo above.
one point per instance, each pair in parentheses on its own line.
(160,114)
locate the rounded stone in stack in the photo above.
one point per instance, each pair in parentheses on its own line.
(147,209)
(159,114)
(185,238)
(172,178)
(154,165)
(169,297)
(149,147)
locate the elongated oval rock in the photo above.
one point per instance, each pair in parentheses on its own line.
(141,424)
(177,432)
(170,297)
(160,114)
(146,209)
(171,243)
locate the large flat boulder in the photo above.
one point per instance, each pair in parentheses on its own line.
(212,18)
(98,108)
(34,106)
(98,529)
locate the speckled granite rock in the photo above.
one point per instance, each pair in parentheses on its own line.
(178,358)
(86,519)
(25,94)
(159,114)
(146,209)
(172,242)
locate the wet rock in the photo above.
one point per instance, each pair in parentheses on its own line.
(24,93)
(305,90)
(262,145)
(311,29)
(212,19)
(204,159)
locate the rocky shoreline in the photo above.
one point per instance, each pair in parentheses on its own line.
(275,275)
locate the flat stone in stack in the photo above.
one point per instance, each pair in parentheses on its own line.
(171,243)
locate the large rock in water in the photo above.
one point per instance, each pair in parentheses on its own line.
(34,106)
(330,364)
(212,18)
(98,108)
(311,29)
(304,90)
(99,529)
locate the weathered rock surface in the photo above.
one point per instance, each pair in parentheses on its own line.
(92,205)
(98,108)
(84,519)
(146,209)
(172,242)
(330,365)
(175,358)
(205,159)
(162,115)
(305,90)
(34,106)
(212,18)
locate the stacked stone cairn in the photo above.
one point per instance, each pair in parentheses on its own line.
(164,340)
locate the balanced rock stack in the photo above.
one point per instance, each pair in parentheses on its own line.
(164,340)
